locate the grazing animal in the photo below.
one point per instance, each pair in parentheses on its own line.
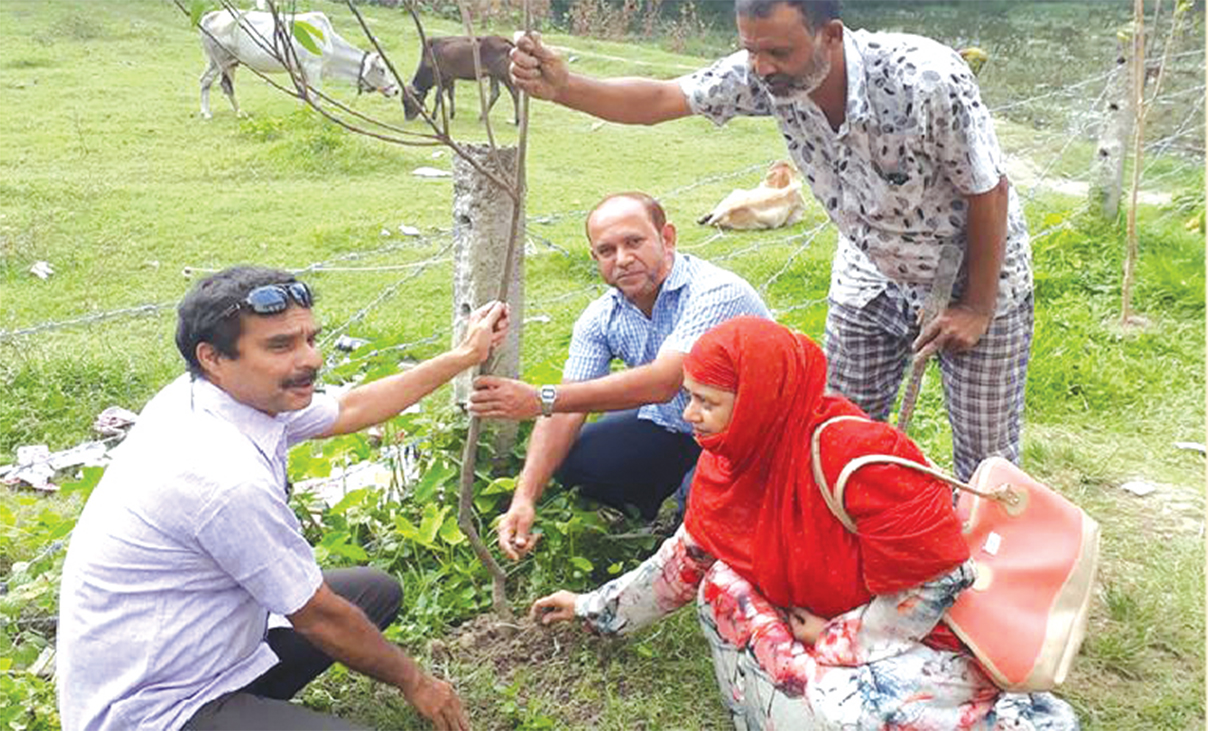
(231,38)
(775,202)
(454,57)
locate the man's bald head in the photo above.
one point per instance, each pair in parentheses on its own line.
(654,211)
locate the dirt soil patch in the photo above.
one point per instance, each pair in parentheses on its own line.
(534,669)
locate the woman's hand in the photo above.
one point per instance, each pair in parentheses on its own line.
(806,626)
(557,607)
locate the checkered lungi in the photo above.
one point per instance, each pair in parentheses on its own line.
(868,347)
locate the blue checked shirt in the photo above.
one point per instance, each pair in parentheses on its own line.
(695,297)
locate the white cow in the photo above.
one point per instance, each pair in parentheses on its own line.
(774,203)
(231,38)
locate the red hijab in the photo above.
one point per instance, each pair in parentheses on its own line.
(754,502)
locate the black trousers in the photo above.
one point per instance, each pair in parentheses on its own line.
(264,703)
(623,460)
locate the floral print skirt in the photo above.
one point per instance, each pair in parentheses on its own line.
(771,682)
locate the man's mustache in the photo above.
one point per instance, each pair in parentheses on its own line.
(305,378)
(782,82)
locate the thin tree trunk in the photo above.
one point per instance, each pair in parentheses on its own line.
(1130,258)
(465,513)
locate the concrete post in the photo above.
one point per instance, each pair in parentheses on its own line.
(1107,171)
(482,217)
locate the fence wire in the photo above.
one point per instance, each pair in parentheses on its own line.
(1185,138)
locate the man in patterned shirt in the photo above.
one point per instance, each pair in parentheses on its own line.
(891,133)
(659,304)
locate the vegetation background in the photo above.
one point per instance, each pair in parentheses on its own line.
(108,174)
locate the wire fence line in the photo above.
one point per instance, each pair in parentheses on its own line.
(383,296)
(1063,90)
(90,319)
(1186,129)
(808,239)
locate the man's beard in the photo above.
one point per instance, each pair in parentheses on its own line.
(786,88)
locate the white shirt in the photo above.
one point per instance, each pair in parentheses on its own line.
(915,142)
(183,549)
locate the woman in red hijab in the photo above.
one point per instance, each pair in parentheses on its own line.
(812,625)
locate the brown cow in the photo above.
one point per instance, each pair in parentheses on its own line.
(454,56)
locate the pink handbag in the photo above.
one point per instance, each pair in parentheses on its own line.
(1036,556)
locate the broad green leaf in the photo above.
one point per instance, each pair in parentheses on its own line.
(451,532)
(581,563)
(334,538)
(500,485)
(406,528)
(306,34)
(615,569)
(486,504)
(438,474)
(430,525)
(197,8)
(356,497)
(351,550)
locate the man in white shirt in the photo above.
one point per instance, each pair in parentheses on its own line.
(188,543)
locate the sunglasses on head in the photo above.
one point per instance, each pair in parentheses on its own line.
(273,298)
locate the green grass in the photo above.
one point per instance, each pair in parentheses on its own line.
(107,172)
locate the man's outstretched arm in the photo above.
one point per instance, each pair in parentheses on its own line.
(344,633)
(373,403)
(540,71)
(653,383)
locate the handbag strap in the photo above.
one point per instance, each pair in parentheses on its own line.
(834,499)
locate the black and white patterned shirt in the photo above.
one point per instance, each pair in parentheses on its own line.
(916,141)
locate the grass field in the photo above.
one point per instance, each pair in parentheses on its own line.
(108,174)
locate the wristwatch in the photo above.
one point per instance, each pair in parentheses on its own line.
(548,395)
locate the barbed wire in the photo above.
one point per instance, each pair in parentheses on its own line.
(384,295)
(716,178)
(808,238)
(320,269)
(1064,148)
(147,309)
(416,269)
(595,288)
(1055,92)
(404,347)
(652,64)
(409,243)
(808,304)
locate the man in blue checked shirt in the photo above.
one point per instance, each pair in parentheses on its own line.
(659,304)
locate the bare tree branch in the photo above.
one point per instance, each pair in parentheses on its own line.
(423,51)
(477,56)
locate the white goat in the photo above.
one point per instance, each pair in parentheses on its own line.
(231,38)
